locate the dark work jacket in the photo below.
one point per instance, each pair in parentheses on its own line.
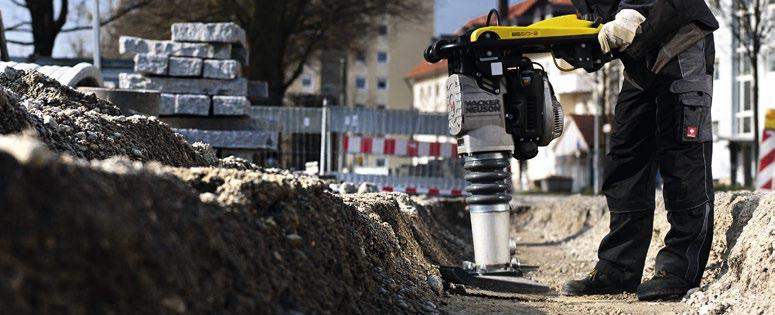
(664,19)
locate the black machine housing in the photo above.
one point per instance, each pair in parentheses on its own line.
(526,82)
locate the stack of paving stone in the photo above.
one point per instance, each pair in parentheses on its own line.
(198,72)
(203,94)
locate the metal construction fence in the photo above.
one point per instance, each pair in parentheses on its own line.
(326,134)
(355,120)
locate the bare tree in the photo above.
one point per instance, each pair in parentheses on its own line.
(45,25)
(750,22)
(154,21)
(283,35)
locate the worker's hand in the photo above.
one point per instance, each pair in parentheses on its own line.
(619,33)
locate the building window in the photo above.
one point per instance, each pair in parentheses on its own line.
(381,162)
(360,106)
(743,113)
(382,84)
(360,83)
(744,64)
(382,30)
(306,80)
(360,56)
(381,106)
(747,95)
(382,57)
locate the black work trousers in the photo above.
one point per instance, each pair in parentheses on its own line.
(666,128)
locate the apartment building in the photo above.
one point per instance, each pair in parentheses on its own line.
(732,111)
(371,78)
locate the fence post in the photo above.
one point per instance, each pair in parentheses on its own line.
(323,155)
(96,34)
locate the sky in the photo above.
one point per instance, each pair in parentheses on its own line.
(449,16)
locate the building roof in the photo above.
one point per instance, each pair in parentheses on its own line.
(586,125)
(425,69)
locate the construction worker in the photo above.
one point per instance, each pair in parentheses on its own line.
(661,124)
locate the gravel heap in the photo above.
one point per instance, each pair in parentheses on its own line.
(85,126)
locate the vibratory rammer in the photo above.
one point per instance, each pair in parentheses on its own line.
(501,105)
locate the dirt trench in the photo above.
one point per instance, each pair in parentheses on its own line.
(561,234)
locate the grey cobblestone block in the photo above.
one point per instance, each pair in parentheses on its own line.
(232,139)
(185,67)
(189,104)
(208,32)
(128,44)
(167,104)
(151,64)
(236,87)
(221,69)
(230,105)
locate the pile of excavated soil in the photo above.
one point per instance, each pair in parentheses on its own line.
(118,236)
(85,126)
(738,276)
(745,283)
(110,214)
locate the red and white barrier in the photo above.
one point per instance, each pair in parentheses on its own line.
(399,147)
(428,191)
(764,180)
(429,186)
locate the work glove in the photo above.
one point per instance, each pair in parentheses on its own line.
(619,33)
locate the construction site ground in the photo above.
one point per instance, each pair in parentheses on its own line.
(108,214)
(556,264)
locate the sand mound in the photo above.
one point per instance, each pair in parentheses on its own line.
(745,282)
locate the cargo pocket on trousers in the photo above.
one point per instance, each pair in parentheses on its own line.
(694,95)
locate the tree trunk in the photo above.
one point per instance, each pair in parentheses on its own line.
(45,26)
(3,44)
(42,14)
(268,64)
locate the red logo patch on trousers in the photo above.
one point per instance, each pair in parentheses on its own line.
(691,132)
